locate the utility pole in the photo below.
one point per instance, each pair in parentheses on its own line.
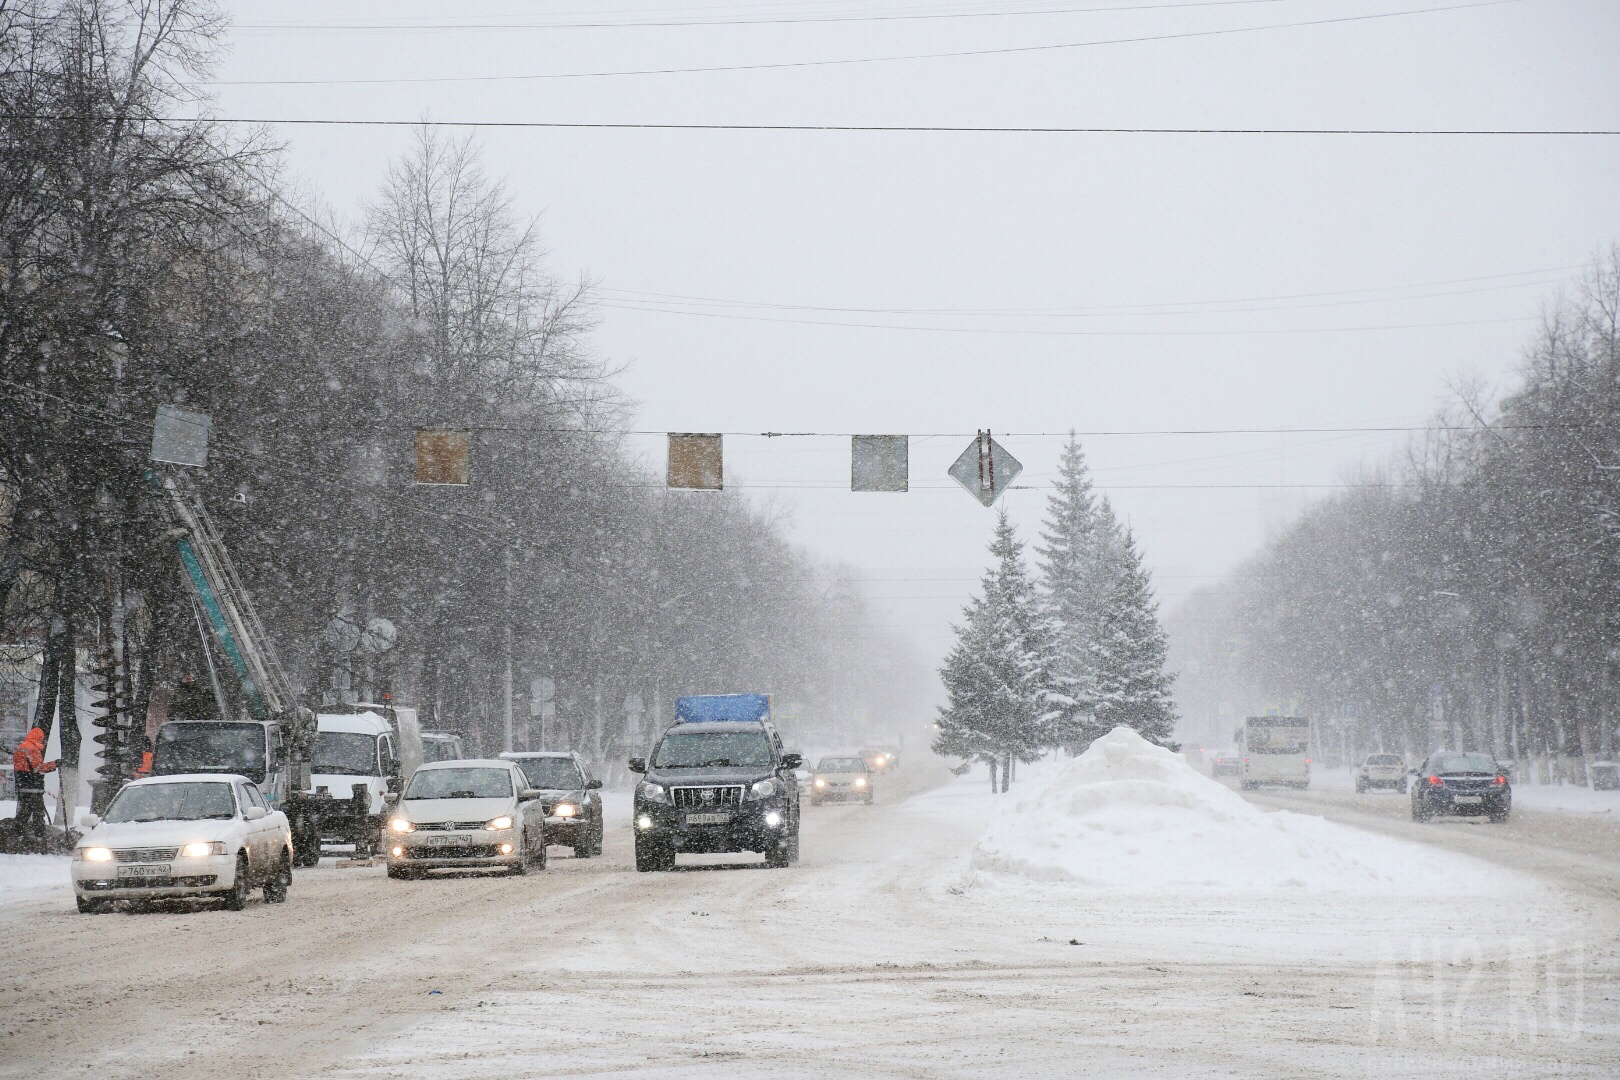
(506,657)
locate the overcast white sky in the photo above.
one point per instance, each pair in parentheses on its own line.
(1152,260)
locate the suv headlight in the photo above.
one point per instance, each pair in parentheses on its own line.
(764,789)
(200,849)
(652,792)
(500,823)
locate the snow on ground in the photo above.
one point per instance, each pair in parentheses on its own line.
(31,877)
(1128,815)
(1560,798)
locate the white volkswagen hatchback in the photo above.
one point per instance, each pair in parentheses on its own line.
(194,834)
(466,815)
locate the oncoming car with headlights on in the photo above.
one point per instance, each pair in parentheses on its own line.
(189,835)
(841,779)
(568,795)
(465,815)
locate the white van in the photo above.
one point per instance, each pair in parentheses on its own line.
(372,747)
(1276,750)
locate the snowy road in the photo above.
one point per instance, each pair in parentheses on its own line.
(877,956)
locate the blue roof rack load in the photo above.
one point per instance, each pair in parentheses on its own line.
(748,708)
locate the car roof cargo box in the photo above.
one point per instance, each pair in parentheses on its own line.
(743,707)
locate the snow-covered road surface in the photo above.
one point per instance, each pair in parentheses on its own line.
(879,955)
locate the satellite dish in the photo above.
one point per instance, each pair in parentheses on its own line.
(379,637)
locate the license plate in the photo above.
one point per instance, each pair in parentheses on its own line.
(154,870)
(707,819)
(1467,800)
(447,841)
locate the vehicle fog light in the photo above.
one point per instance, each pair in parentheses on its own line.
(773,819)
(398,850)
(644,822)
(506,849)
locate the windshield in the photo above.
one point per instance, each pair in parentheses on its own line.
(440,750)
(210,748)
(473,783)
(551,773)
(351,753)
(1464,763)
(841,764)
(1288,737)
(194,801)
(713,749)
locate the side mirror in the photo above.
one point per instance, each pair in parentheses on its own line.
(254,813)
(593,785)
(638,764)
(89,821)
(792,761)
(528,795)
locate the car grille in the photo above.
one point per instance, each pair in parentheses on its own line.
(469,851)
(448,826)
(701,798)
(146,854)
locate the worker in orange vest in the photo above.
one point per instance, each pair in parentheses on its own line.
(30,767)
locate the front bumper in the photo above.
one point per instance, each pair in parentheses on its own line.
(840,792)
(442,850)
(746,830)
(185,877)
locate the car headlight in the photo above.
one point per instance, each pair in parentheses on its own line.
(565,810)
(92,854)
(401,825)
(652,792)
(821,781)
(764,789)
(497,824)
(201,849)
(860,781)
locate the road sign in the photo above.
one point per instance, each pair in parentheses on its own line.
(180,436)
(985,469)
(696,462)
(543,689)
(879,463)
(633,705)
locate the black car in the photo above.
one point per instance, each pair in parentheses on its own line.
(717,786)
(568,795)
(1451,782)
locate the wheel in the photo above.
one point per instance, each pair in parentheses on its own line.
(793,845)
(1246,785)
(540,853)
(275,890)
(596,844)
(236,899)
(583,846)
(521,867)
(1361,786)
(1420,812)
(652,856)
(778,858)
(1498,816)
(90,907)
(1403,789)
(868,799)
(306,844)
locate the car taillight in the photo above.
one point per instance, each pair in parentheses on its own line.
(1307,761)
(1245,761)
(1501,780)
(1435,781)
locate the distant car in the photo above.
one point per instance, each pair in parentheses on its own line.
(441,746)
(882,759)
(466,815)
(189,835)
(1381,770)
(842,779)
(1463,784)
(1226,763)
(568,795)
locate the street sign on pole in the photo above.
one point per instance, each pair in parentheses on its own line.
(985,469)
(879,463)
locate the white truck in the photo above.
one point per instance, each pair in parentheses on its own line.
(362,753)
(1276,750)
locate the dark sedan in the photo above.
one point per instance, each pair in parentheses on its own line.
(1465,784)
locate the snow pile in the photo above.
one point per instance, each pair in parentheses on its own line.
(29,877)
(1129,815)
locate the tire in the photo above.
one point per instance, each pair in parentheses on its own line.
(306,844)
(793,845)
(868,799)
(521,867)
(275,890)
(596,843)
(582,847)
(1419,811)
(90,907)
(1403,789)
(401,873)
(540,853)
(1246,785)
(778,857)
(236,899)
(652,857)
(1499,816)
(1361,786)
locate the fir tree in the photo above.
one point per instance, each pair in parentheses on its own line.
(996,675)
(1132,686)
(1069,578)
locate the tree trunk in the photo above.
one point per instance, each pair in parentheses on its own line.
(1006,773)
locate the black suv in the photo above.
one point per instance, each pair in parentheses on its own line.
(717,786)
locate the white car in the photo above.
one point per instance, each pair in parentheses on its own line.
(1381,770)
(466,815)
(193,834)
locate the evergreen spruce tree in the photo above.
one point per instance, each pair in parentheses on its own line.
(996,675)
(1068,561)
(1132,686)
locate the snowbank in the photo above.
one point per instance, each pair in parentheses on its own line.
(30,877)
(1128,815)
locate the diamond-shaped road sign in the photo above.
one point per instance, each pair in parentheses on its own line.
(985,469)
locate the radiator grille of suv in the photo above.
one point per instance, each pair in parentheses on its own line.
(700,798)
(146,854)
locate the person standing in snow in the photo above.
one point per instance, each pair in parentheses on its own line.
(30,768)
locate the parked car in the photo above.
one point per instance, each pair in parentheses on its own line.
(1381,770)
(568,795)
(1226,763)
(841,778)
(461,815)
(193,834)
(1463,784)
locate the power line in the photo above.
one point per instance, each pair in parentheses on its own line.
(1010,50)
